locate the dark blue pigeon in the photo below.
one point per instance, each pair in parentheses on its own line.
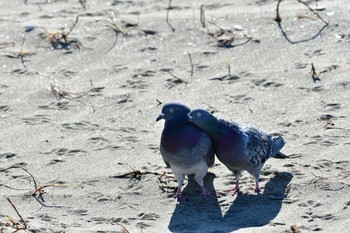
(238,147)
(184,147)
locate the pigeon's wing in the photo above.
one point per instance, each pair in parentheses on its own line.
(205,148)
(277,144)
(210,156)
(259,145)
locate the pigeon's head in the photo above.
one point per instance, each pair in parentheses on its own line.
(201,118)
(174,112)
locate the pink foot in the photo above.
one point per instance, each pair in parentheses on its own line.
(257,189)
(178,195)
(235,190)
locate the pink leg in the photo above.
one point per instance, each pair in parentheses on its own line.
(178,195)
(236,189)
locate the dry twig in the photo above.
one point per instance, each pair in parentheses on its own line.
(315,13)
(180,80)
(60,93)
(190,56)
(278,19)
(159,102)
(167,16)
(294,229)
(38,191)
(314,75)
(137,174)
(224,37)
(202,16)
(331,125)
(117,223)
(20,54)
(83,3)
(60,38)
(11,223)
(114,26)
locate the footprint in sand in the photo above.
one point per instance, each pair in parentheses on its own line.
(239,99)
(61,105)
(7,155)
(37,120)
(82,125)
(265,83)
(4,108)
(65,152)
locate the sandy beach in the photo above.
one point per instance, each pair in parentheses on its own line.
(83,81)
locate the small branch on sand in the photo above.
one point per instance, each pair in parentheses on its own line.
(180,80)
(60,38)
(63,93)
(202,16)
(137,174)
(224,38)
(114,26)
(167,16)
(294,229)
(124,230)
(229,68)
(38,191)
(159,102)
(320,180)
(278,19)
(20,54)
(331,125)
(314,75)
(315,13)
(83,3)
(190,56)
(17,226)
(163,184)
(60,94)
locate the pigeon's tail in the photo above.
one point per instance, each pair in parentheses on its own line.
(277,144)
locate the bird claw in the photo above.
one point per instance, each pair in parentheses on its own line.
(178,194)
(234,190)
(257,188)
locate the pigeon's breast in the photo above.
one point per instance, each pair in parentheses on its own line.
(176,140)
(184,148)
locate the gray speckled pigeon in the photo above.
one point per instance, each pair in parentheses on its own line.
(184,147)
(238,147)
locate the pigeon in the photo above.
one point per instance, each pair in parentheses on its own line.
(185,148)
(238,147)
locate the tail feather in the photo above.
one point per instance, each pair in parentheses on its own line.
(277,144)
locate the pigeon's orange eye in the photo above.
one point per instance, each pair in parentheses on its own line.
(199,114)
(172,110)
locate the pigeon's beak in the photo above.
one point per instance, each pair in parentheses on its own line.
(160,116)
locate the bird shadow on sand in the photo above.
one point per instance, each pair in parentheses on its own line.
(198,214)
